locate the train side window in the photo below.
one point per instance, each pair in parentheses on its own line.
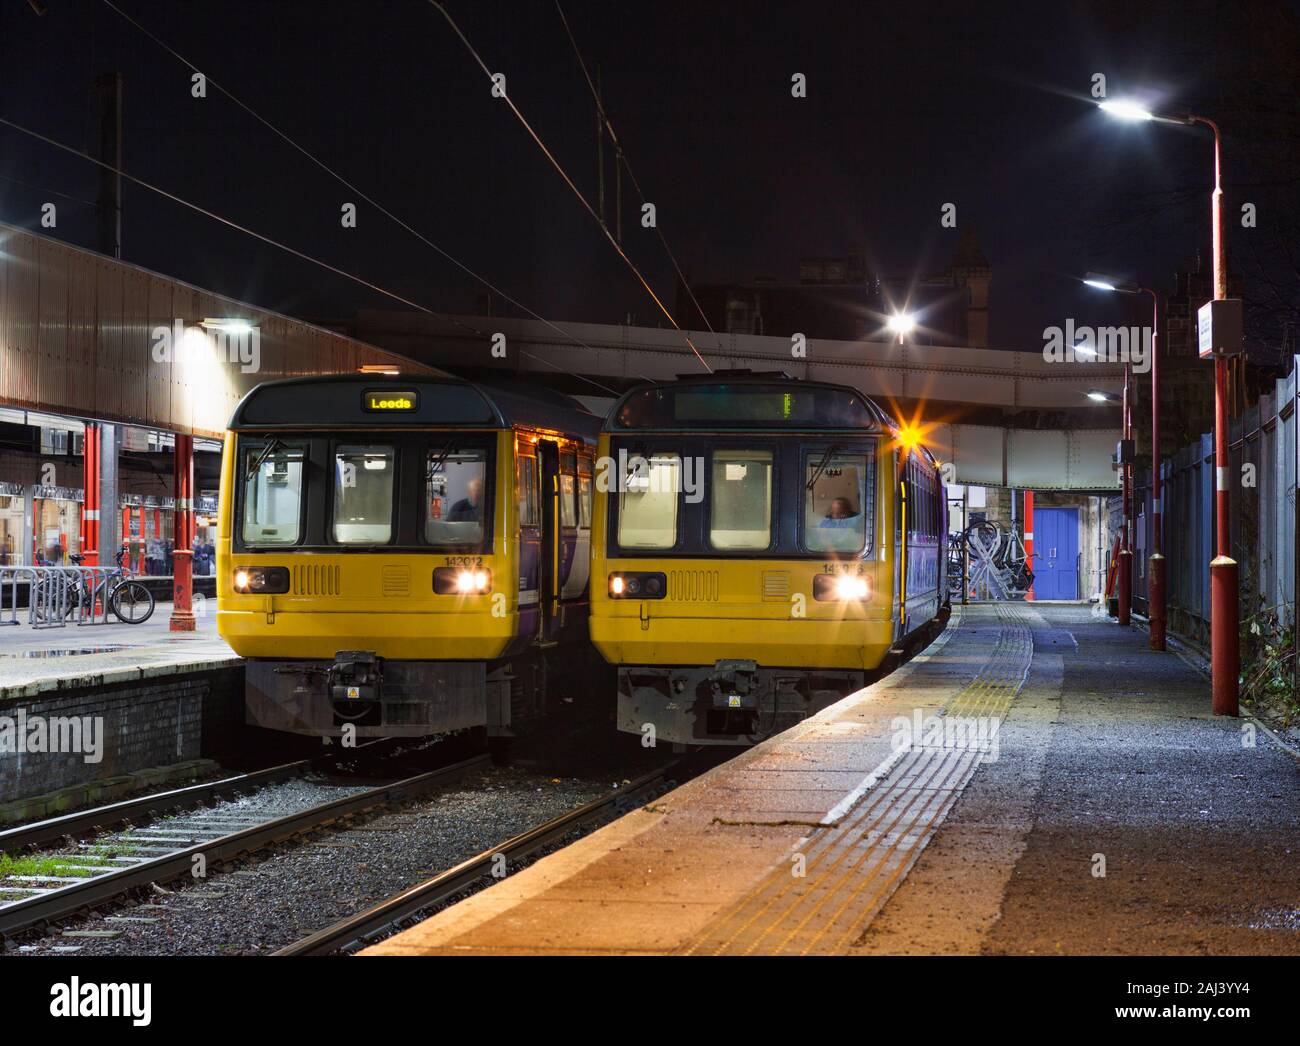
(272,508)
(455,496)
(647,502)
(584,500)
(837,501)
(568,490)
(740,500)
(526,490)
(363,494)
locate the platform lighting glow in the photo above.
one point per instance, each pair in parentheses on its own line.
(901,323)
(1099,397)
(230,326)
(1101,285)
(909,436)
(1123,110)
(849,587)
(1082,348)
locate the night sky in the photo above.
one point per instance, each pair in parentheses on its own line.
(909,106)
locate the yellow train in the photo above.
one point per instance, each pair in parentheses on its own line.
(404,556)
(762,547)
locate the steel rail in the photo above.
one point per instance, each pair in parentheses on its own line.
(80,824)
(99,889)
(355,929)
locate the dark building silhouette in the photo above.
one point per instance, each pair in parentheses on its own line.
(841,298)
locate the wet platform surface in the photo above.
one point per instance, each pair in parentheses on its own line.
(36,660)
(1038,781)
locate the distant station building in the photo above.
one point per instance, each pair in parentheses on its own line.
(842,299)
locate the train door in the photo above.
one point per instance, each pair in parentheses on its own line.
(549,534)
(1056,551)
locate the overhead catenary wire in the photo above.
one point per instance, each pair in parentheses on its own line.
(377,288)
(559,168)
(284,136)
(621,157)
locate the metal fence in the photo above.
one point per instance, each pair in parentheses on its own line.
(1262,496)
(55,596)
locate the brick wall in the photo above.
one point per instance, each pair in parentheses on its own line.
(156,722)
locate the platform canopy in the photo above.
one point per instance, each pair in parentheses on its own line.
(89,337)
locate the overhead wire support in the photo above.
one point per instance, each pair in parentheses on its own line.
(559,169)
(285,137)
(621,162)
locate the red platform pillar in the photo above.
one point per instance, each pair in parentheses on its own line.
(1029,537)
(182,619)
(90,488)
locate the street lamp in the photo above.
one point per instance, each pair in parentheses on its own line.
(1156,561)
(901,323)
(1225,653)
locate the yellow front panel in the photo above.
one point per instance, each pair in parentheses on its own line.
(756,609)
(383,602)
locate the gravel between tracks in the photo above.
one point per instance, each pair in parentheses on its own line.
(278,897)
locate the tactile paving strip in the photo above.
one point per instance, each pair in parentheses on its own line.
(823,895)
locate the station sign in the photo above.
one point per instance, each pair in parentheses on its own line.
(1219,328)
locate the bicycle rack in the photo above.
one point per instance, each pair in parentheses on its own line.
(57,595)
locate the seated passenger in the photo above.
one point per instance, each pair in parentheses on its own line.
(840,516)
(468,509)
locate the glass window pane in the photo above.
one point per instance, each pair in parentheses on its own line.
(837,505)
(740,510)
(647,502)
(272,495)
(568,500)
(584,501)
(363,494)
(455,500)
(526,490)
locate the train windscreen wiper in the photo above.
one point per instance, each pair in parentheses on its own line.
(276,444)
(822,465)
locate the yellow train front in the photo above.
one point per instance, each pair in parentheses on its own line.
(404,556)
(762,547)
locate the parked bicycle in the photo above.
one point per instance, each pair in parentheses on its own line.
(75,593)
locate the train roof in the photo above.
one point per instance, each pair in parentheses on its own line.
(744,399)
(340,400)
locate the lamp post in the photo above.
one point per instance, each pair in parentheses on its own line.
(1225,653)
(1156,561)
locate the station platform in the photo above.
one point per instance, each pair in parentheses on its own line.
(1037,781)
(36,660)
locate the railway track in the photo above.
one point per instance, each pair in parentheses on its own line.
(173,850)
(386,916)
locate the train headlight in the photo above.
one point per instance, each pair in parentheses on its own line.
(846,588)
(257,581)
(638,586)
(458,581)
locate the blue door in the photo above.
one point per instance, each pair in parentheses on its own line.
(1056,553)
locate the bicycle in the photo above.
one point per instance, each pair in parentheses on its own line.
(130,601)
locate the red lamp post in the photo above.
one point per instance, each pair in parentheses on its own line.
(1225,652)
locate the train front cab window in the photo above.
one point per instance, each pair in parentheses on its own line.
(456,504)
(273,493)
(363,494)
(648,502)
(838,501)
(740,502)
